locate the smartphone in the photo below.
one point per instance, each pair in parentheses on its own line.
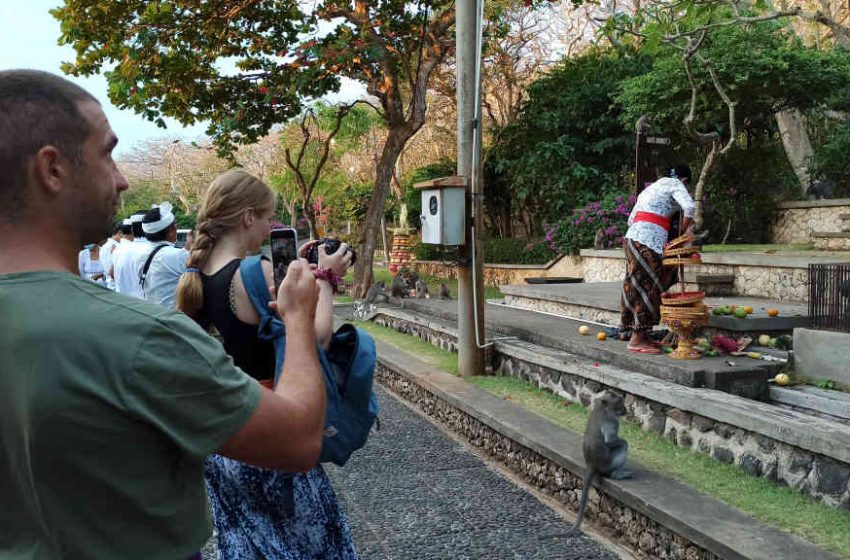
(284,244)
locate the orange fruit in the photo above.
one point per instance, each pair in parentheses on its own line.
(772,312)
(749,310)
(601,336)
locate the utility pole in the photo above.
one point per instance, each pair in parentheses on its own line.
(470,296)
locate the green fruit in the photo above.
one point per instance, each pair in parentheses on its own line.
(711,354)
(741,313)
(764,340)
(717,311)
(772,343)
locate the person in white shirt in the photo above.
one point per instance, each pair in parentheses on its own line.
(649,225)
(90,264)
(107,248)
(165,263)
(127,264)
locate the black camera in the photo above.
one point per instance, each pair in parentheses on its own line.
(331,247)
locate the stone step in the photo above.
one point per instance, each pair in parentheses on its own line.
(832,241)
(711,284)
(844,217)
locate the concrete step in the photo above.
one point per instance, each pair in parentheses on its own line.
(832,241)
(711,284)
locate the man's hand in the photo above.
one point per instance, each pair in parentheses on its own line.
(298,293)
(338,262)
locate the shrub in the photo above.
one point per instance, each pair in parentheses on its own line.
(498,251)
(579,230)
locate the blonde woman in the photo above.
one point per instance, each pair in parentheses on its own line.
(257,512)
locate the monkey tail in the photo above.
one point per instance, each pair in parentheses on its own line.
(585,491)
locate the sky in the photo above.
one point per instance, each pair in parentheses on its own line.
(29,40)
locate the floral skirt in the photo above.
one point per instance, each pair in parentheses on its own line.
(271,515)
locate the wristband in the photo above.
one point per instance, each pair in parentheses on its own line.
(329,276)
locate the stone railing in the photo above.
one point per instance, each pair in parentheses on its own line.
(500,274)
(795,222)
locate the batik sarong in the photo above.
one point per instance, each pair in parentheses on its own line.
(640,305)
(271,515)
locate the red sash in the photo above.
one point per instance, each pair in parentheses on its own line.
(652,219)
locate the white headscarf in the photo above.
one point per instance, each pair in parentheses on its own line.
(166,218)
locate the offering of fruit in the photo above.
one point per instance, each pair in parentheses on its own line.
(696,257)
(748,309)
(772,312)
(740,313)
(782,379)
(754,355)
(764,340)
(584,330)
(601,336)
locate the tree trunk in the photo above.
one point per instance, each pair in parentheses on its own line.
(369,233)
(710,161)
(798,147)
(310,214)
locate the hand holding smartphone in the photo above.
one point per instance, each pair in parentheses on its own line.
(284,244)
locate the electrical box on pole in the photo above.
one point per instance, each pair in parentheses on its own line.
(443,210)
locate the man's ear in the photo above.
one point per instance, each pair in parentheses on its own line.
(52,170)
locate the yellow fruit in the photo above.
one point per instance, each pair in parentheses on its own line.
(601,336)
(782,379)
(749,310)
(772,312)
(753,355)
(764,340)
(584,329)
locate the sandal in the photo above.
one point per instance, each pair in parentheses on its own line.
(644,349)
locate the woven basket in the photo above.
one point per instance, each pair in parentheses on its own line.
(681,240)
(681,251)
(671,312)
(680,300)
(676,261)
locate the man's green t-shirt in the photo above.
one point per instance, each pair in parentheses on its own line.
(108,407)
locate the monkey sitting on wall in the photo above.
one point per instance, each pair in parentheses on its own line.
(398,289)
(376,293)
(445,293)
(604,450)
(422,289)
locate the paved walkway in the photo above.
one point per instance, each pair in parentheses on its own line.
(414,493)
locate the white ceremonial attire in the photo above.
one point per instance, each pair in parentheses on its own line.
(128,264)
(662,198)
(106,254)
(90,268)
(168,264)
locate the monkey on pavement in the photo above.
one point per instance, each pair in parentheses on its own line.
(604,450)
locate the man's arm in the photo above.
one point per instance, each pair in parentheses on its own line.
(285,431)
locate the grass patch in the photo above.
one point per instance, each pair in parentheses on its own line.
(770,503)
(433,282)
(425,351)
(343,299)
(744,248)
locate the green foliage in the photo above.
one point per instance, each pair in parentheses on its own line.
(140,196)
(830,161)
(496,251)
(744,191)
(579,230)
(826,383)
(243,68)
(568,145)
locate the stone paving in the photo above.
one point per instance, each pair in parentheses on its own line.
(413,492)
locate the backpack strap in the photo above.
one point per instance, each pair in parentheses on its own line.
(144,273)
(254,280)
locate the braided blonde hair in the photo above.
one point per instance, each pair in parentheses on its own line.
(228,197)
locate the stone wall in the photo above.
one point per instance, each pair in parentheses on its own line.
(824,478)
(821,477)
(758,275)
(646,537)
(794,222)
(496,275)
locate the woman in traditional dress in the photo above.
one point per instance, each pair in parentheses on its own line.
(649,230)
(90,265)
(258,513)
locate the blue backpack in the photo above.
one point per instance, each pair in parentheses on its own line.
(348,368)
